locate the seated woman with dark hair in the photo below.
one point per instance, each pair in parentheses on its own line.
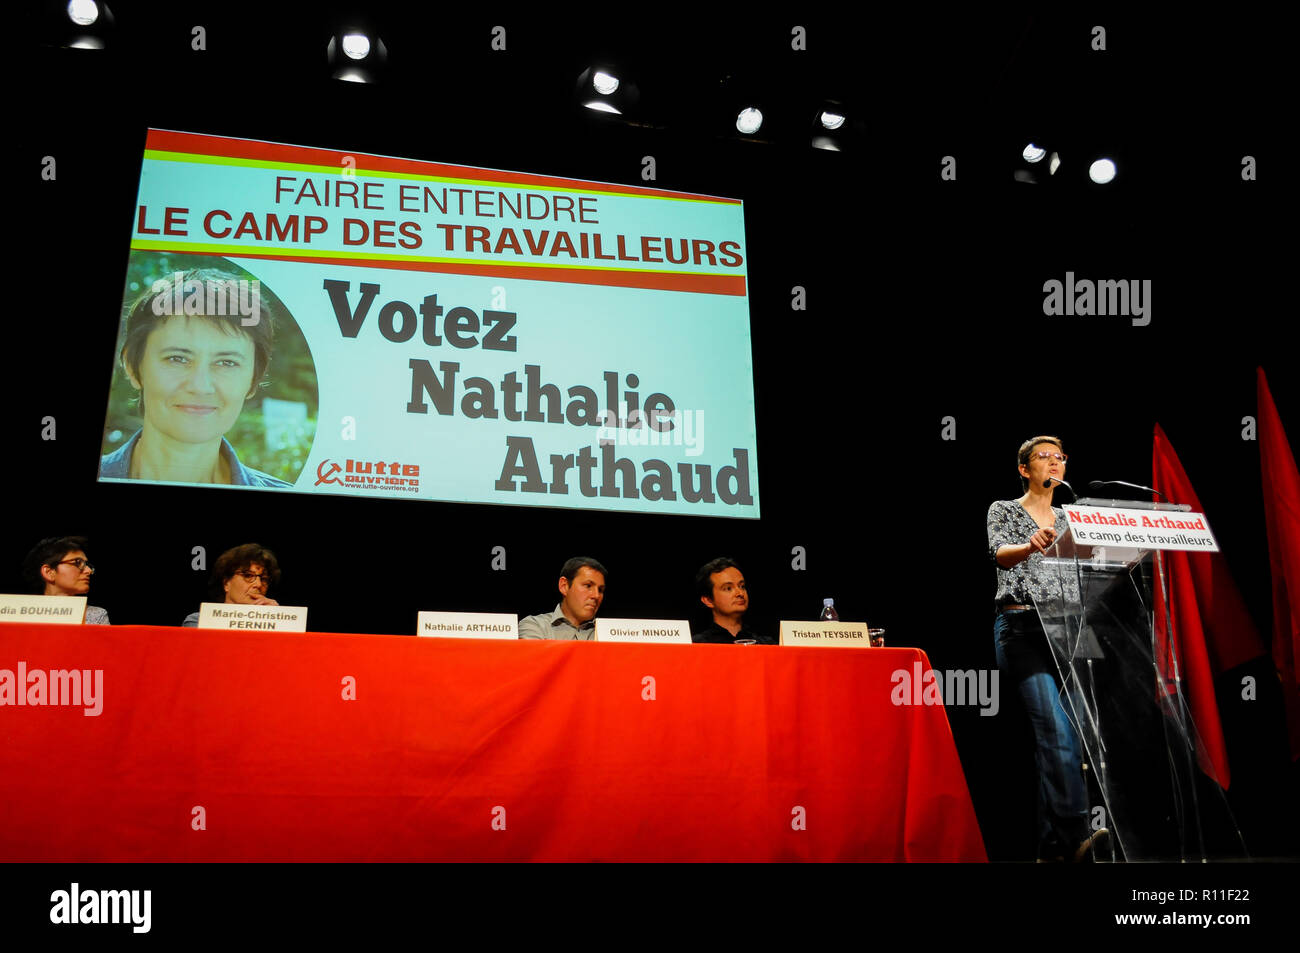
(58,567)
(193,371)
(243,575)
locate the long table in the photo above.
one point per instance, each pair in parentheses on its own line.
(242,746)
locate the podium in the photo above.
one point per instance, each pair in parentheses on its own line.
(1135,727)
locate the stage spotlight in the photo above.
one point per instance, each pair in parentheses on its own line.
(356,56)
(1037,161)
(831,120)
(605,83)
(615,95)
(356,46)
(1101,171)
(89,25)
(749,121)
(83,12)
(830,127)
(1029,169)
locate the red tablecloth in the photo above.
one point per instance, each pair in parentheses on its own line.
(457,749)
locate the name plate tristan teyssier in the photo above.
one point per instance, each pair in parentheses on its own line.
(1140,529)
(229,615)
(643,631)
(836,634)
(467,625)
(50,610)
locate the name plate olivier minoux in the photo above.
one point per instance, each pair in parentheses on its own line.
(643,631)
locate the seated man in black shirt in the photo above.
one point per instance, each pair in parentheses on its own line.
(721,585)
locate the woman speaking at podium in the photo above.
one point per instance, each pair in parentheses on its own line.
(1020,531)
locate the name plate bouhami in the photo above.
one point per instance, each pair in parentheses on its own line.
(227,615)
(51,610)
(1141,529)
(467,625)
(642,631)
(836,634)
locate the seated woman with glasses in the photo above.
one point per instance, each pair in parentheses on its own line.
(58,567)
(242,575)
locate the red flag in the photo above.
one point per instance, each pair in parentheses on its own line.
(1282,514)
(1213,632)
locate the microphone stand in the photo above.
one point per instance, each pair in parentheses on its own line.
(1090,706)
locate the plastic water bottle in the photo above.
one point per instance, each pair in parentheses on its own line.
(828,611)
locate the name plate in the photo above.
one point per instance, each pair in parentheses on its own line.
(1140,529)
(644,631)
(853,635)
(50,610)
(226,615)
(467,625)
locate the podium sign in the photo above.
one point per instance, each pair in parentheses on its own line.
(835,634)
(1140,529)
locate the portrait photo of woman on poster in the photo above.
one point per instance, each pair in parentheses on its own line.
(196,349)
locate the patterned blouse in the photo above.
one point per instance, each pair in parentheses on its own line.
(1010,524)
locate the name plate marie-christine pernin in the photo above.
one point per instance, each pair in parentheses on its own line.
(836,634)
(643,631)
(230,615)
(467,625)
(51,610)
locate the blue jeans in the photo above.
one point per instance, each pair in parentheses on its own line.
(1024,657)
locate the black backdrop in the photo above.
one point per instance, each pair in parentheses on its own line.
(924,301)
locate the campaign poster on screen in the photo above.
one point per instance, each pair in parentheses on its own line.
(308,320)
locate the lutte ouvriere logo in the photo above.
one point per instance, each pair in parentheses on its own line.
(370,474)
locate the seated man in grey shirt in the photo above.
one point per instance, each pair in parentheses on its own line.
(582,590)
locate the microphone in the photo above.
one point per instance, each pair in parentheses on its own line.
(1047,485)
(1097,484)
